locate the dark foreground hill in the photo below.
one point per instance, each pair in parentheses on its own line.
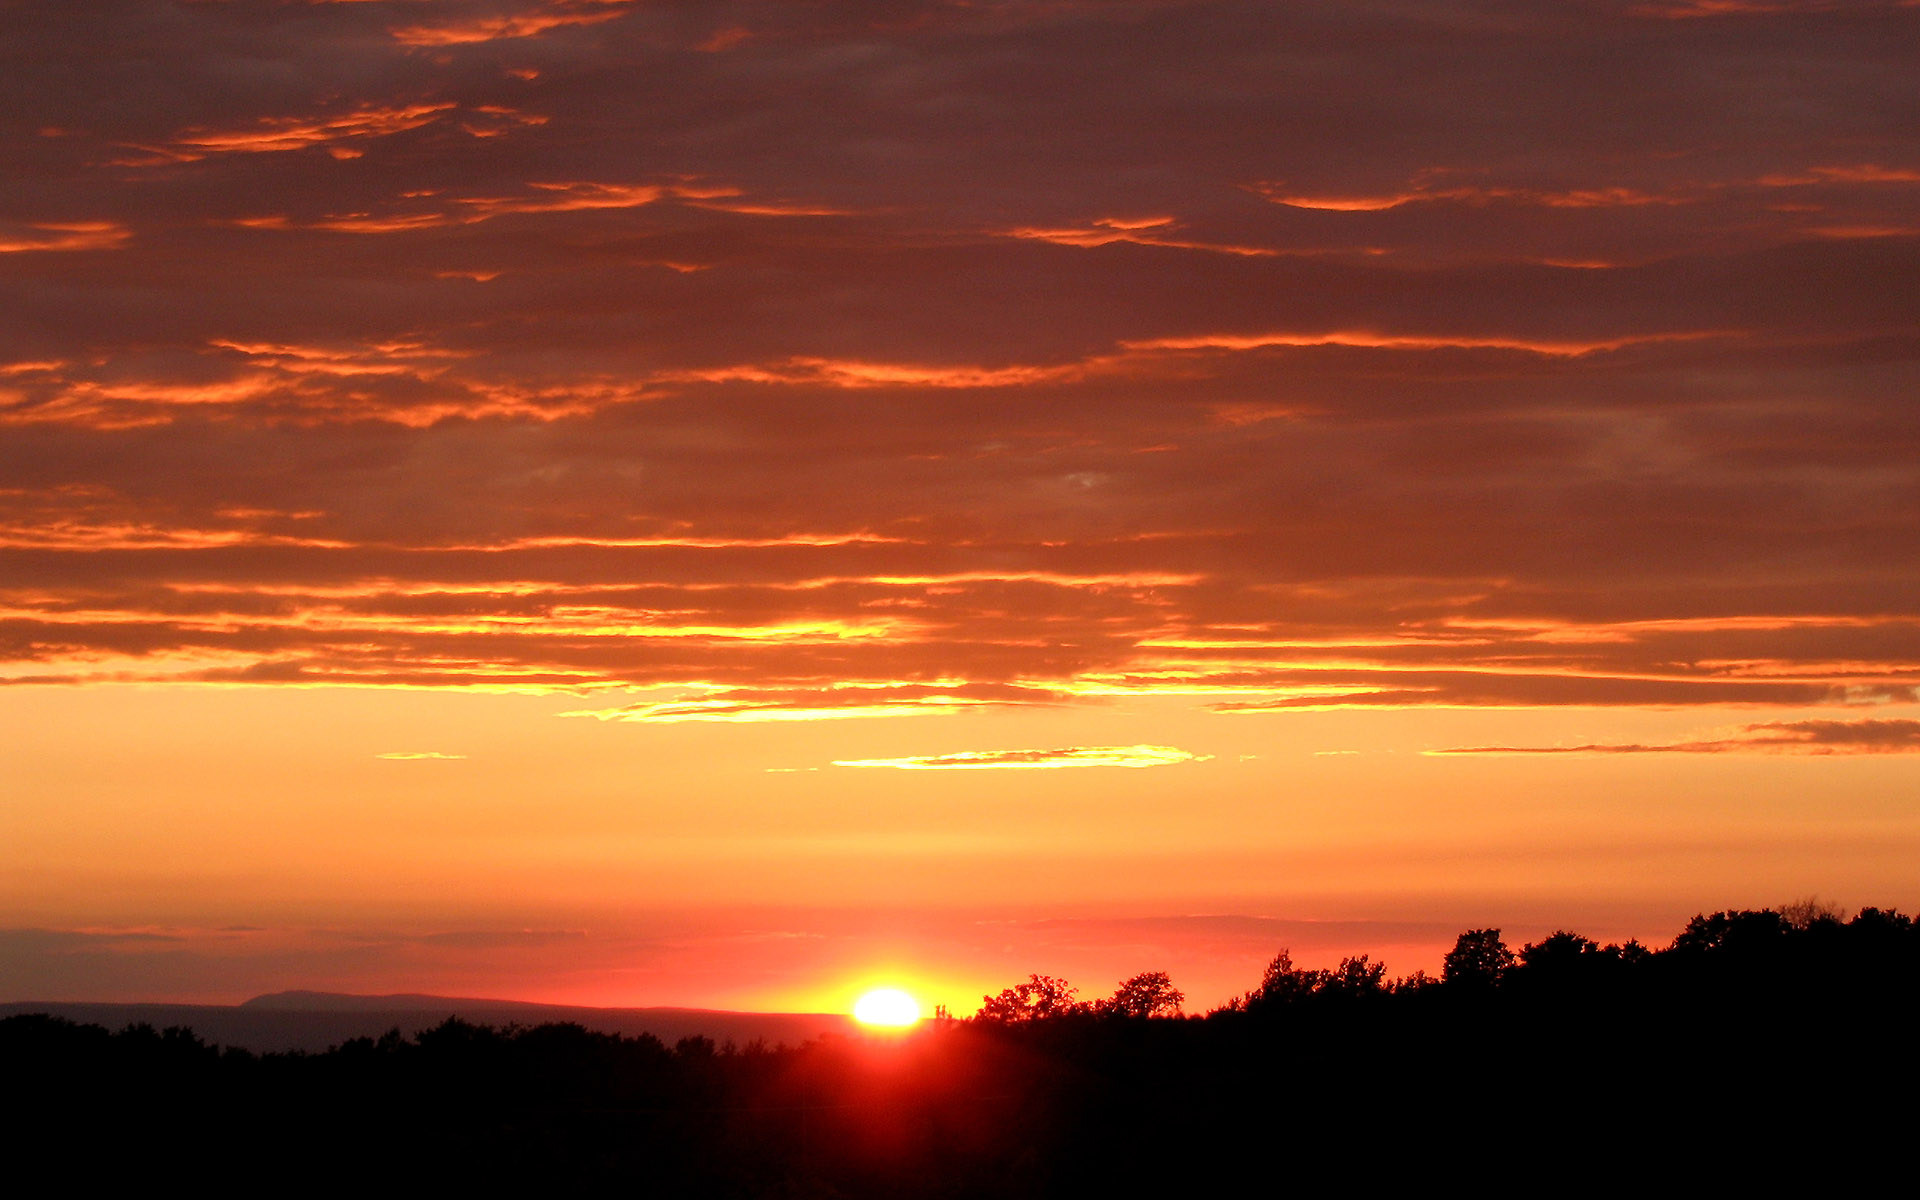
(1751,1055)
(314,1021)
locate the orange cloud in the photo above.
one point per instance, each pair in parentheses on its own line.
(1384,341)
(1594,197)
(1140,231)
(1027,760)
(384,358)
(68,534)
(59,235)
(856,374)
(432,209)
(766,208)
(566,197)
(691,541)
(515,25)
(846,701)
(279,134)
(494,120)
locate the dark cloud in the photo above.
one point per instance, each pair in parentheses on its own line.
(82,941)
(801,357)
(485,939)
(1889,736)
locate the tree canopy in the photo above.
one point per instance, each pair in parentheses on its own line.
(1041,996)
(1148,994)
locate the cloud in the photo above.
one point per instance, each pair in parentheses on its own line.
(413,755)
(84,941)
(279,134)
(517,345)
(62,235)
(1389,341)
(1430,190)
(840,701)
(1070,756)
(530,20)
(500,939)
(1141,231)
(435,208)
(1692,9)
(1816,737)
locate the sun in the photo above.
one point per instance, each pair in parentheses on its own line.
(890,1008)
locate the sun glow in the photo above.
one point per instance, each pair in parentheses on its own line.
(890,1008)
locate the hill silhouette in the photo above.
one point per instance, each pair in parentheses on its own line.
(309,1001)
(314,1021)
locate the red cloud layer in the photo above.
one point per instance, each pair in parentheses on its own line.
(779,358)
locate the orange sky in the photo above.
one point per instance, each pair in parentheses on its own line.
(725,503)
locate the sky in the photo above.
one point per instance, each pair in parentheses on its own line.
(634,502)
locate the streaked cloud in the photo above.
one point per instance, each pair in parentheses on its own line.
(468,24)
(1027,760)
(1818,737)
(1142,231)
(21,238)
(1395,341)
(417,755)
(1429,191)
(1694,9)
(524,345)
(835,701)
(275,134)
(500,939)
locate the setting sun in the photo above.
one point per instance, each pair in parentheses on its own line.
(887,1007)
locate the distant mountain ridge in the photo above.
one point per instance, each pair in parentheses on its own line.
(309,1001)
(315,1021)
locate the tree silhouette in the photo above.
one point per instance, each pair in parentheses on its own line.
(1353,978)
(1745,933)
(1565,963)
(1149,994)
(1882,923)
(1419,980)
(1479,959)
(1283,983)
(1558,951)
(1808,911)
(1040,997)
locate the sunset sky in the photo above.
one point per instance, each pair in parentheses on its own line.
(638,502)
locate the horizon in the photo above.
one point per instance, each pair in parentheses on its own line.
(1797,913)
(739,505)
(1042,1096)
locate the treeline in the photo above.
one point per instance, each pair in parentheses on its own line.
(1758,1048)
(1806,946)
